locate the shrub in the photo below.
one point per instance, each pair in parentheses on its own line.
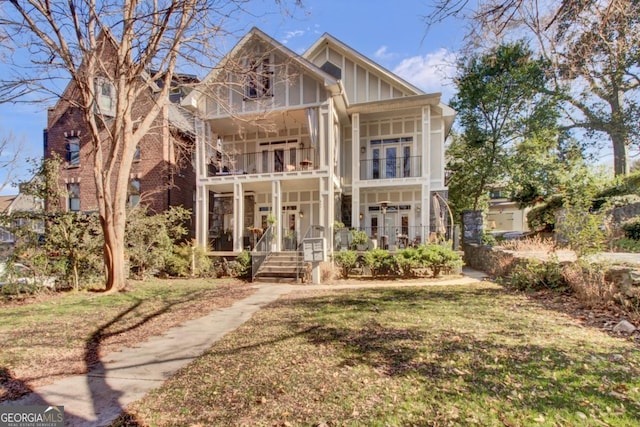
(408,261)
(188,260)
(535,243)
(241,266)
(626,245)
(587,281)
(380,262)
(439,258)
(533,274)
(488,239)
(631,228)
(346,261)
(543,217)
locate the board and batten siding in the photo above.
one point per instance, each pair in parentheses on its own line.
(291,87)
(361,83)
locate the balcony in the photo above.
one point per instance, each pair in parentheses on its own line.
(391,167)
(264,162)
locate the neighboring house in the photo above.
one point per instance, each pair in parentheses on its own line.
(505,215)
(15,204)
(162,174)
(314,138)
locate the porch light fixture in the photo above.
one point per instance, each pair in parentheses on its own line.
(418,209)
(301,214)
(362,150)
(361,217)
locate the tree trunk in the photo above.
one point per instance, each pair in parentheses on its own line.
(114,256)
(620,154)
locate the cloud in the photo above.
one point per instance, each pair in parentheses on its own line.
(432,72)
(292,34)
(383,54)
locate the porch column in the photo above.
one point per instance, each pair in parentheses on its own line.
(355,148)
(323,137)
(202,219)
(238,217)
(425,143)
(276,211)
(425,213)
(355,170)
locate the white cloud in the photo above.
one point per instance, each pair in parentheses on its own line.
(382,53)
(292,34)
(432,72)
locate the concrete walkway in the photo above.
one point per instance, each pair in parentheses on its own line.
(97,398)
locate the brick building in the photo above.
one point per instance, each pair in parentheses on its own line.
(162,174)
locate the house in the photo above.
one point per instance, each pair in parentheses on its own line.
(305,140)
(505,215)
(17,209)
(162,174)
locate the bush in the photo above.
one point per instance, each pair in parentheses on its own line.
(380,262)
(488,239)
(346,261)
(241,266)
(626,245)
(408,261)
(588,282)
(631,228)
(438,258)
(543,217)
(533,274)
(188,260)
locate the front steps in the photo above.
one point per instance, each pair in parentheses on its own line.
(280,267)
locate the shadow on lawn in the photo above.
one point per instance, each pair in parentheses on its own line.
(458,364)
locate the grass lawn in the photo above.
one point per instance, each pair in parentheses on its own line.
(63,334)
(440,355)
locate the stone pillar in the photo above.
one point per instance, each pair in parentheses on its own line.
(472,227)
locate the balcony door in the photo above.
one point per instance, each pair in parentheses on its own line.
(390,158)
(279,156)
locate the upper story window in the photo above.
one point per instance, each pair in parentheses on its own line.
(72,151)
(105,97)
(134,193)
(259,80)
(136,154)
(73,202)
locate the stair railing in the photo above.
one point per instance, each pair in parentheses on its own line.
(261,251)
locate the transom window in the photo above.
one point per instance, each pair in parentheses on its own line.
(134,193)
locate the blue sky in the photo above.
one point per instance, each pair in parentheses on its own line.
(393,34)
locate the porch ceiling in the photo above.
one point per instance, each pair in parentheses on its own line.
(266,122)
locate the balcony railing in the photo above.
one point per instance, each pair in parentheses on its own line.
(391,167)
(273,161)
(391,237)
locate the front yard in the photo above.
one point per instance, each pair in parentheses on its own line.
(58,335)
(439,355)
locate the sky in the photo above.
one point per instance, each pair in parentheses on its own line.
(393,34)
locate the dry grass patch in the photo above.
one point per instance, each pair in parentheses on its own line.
(446,355)
(66,334)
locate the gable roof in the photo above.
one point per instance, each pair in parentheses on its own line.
(257,34)
(327,38)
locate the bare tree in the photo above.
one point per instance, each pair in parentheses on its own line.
(8,159)
(119,42)
(594,51)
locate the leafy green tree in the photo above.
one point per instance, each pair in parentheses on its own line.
(150,239)
(503,110)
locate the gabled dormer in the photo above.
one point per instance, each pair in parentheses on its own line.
(363,80)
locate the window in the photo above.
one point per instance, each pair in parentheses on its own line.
(72,151)
(259,80)
(105,97)
(136,155)
(134,193)
(73,191)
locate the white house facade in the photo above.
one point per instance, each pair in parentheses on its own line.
(303,141)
